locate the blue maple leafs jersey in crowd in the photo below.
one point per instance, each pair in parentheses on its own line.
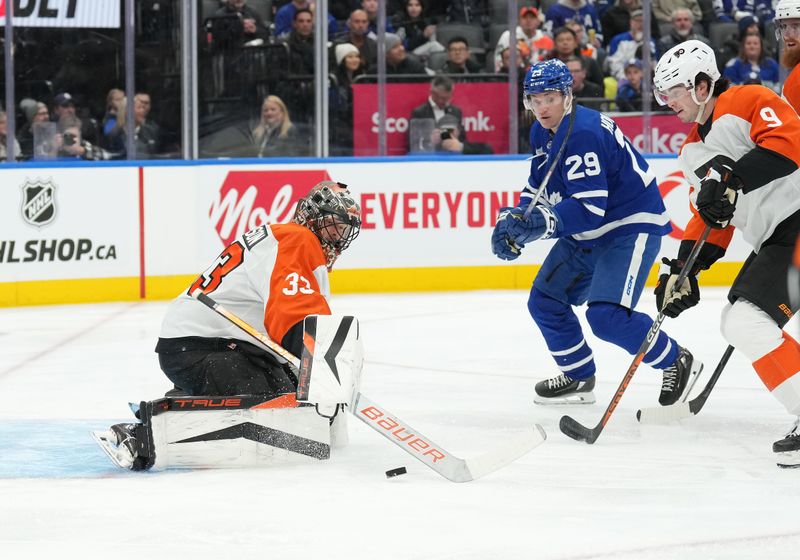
(601,188)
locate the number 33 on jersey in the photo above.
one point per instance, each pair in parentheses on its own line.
(272,275)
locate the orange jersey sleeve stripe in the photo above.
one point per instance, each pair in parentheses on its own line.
(780,364)
(294,291)
(773,122)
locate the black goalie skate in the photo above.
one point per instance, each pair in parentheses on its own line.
(788,448)
(127,445)
(679,378)
(565,390)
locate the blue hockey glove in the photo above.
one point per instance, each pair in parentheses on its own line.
(541,224)
(502,244)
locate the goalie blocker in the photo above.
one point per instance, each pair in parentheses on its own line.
(249,430)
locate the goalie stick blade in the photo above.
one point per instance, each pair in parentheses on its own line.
(664,414)
(434,456)
(577,431)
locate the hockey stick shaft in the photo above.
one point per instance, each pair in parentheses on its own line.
(395,430)
(579,432)
(678,411)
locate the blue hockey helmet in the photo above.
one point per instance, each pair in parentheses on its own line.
(550,75)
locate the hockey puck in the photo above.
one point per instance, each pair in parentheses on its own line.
(395,472)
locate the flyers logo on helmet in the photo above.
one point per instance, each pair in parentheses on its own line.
(248,199)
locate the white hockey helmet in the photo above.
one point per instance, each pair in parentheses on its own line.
(787,9)
(680,66)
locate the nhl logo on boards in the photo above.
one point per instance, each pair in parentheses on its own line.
(38,202)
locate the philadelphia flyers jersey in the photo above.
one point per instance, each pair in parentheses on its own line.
(745,117)
(272,276)
(791,88)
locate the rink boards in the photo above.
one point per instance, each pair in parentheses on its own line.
(126,232)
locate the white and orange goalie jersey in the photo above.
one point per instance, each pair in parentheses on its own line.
(746,117)
(272,276)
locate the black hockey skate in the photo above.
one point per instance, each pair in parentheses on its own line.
(788,448)
(127,445)
(679,378)
(565,390)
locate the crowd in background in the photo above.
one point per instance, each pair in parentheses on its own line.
(258,92)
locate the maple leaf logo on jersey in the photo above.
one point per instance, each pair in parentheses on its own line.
(248,199)
(550,199)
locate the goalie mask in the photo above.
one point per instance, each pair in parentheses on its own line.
(331,212)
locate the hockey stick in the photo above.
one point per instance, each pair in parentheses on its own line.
(395,430)
(578,431)
(678,411)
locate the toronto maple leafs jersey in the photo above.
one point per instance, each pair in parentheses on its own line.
(601,188)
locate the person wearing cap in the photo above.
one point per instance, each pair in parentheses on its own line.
(458,58)
(625,46)
(398,61)
(579,10)
(35,112)
(662,10)
(349,65)
(682,30)
(448,137)
(528,33)
(629,94)
(64,105)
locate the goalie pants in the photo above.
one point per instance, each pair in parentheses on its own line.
(759,308)
(610,277)
(222,367)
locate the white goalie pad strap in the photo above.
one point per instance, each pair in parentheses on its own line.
(332,360)
(239,438)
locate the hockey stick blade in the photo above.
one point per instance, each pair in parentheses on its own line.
(434,456)
(577,431)
(679,411)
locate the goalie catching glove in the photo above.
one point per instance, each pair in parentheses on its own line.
(674,303)
(512,230)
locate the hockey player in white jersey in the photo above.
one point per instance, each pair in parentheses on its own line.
(741,159)
(603,205)
(272,277)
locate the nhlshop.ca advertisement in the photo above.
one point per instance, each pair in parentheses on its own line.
(68,224)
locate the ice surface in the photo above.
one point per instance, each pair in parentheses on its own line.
(458,366)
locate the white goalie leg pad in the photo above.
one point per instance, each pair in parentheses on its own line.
(331,363)
(245,437)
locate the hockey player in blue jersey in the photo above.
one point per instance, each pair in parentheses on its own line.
(603,206)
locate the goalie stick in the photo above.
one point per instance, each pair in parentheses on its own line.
(577,431)
(678,411)
(419,446)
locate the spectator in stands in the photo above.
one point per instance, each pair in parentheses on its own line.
(753,66)
(301,43)
(274,135)
(584,48)
(458,58)
(629,94)
(356,34)
(617,18)
(284,18)
(237,25)
(71,144)
(624,46)
(682,30)
(147,131)
(64,105)
(735,10)
(349,66)
(505,58)
(579,10)
(438,103)
(416,29)
(566,45)
(113,99)
(748,25)
(4,139)
(533,42)
(662,10)
(35,112)
(582,88)
(398,61)
(449,137)
(468,11)
(371,9)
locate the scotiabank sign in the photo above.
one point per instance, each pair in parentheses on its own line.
(484,107)
(666,132)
